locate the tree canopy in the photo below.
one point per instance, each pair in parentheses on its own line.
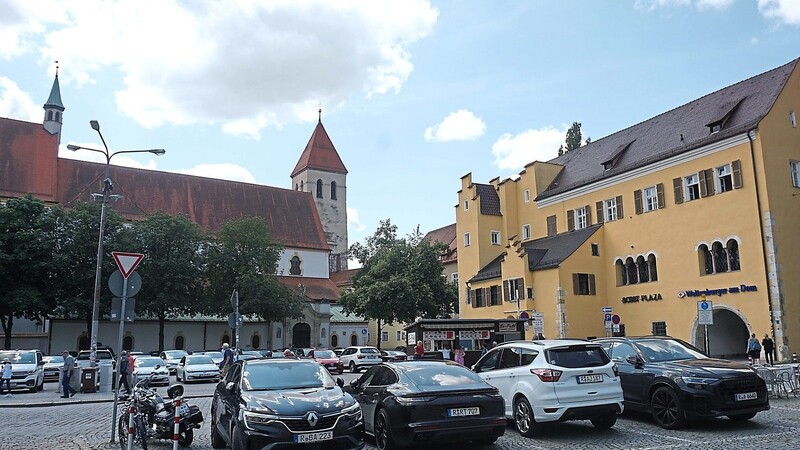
(572,139)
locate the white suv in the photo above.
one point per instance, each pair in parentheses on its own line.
(553,381)
(354,358)
(27,367)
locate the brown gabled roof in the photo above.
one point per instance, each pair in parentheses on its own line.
(343,278)
(315,288)
(290,215)
(27,160)
(320,154)
(446,235)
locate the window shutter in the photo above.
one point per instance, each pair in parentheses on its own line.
(506,292)
(469,296)
(521,289)
(588,210)
(702,176)
(591,284)
(571,220)
(620,213)
(660,194)
(737,174)
(709,182)
(600,215)
(552,226)
(576,285)
(637,201)
(677,186)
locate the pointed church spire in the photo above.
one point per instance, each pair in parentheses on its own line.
(320,154)
(54,101)
(53,109)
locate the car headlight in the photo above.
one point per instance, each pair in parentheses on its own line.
(258,416)
(355,408)
(698,382)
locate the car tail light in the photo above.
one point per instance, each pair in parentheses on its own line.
(547,375)
(360,356)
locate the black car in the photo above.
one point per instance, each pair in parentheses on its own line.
(416,402)
(266,403)
(674,381)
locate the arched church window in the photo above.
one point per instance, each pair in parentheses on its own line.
(733,254)
(295,262)
(333,190)
(319,188)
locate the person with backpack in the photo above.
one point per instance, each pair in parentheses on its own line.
(5,376)
(124,371)
(754,349)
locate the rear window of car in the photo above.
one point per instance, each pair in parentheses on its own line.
(323,354)
(100,355)
(576,356)
(369,350)
(443,376)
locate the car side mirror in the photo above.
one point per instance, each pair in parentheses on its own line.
(635,361)
(40,363)
(230,387)
(354,384)
(339,382)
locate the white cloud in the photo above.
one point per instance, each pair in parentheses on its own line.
(514,151)
(118,160)
(701,5)
(243,65)
(784,11)
(223,171)
(461,125)
(353,221)
(16,103)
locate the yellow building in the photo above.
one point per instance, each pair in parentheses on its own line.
(690,217)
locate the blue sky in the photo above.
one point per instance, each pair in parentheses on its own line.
(415,94)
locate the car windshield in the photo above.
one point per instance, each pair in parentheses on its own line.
(659,350)
(369,350)
(214,354)
(324,354)
(175,354)
(443,376)
(55,359)
(18,358)
(199,359)
(283,375)
(148,362)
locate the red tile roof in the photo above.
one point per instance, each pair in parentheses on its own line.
(446,235)
(320,154)
(344,278)
(315,288)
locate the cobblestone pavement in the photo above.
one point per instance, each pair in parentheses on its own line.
(88,426)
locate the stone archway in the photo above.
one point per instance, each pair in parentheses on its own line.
(301,335)
(727,337)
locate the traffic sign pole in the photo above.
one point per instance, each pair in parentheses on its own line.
(119,357)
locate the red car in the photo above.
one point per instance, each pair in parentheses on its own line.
(328,359)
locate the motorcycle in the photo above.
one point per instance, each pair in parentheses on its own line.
(154,416)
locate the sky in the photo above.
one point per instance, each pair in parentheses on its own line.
(414,94)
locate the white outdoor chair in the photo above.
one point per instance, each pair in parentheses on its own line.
(785,381)
(769,378)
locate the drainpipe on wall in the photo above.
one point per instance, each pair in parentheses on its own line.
(774,309)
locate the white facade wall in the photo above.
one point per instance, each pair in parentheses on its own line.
(314,263)
(332,213)
(345,332)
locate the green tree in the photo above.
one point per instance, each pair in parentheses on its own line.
(401,279)
(244,256)
(172,267)
(572,140)
(25,261)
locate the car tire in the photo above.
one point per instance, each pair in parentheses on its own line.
(383,431)
(523,418)
(40,387)
(742,417)
(604,423)
(352,367)
(667,409)
(237,440)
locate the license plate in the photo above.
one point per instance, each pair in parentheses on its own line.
(313,437)
(582,379)
(371,357)
(461,412)
(747,396)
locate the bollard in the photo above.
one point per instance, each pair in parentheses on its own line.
(176,433)
(794,357)
(750,360)
(131,414)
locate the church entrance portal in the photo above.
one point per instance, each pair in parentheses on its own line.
(301,335)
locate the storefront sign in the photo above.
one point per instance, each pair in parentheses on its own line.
(642,298)
(718,292)
(438,335)
(411,338)
(474,335)
(504,327)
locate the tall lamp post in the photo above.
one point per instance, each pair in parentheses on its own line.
(107,187)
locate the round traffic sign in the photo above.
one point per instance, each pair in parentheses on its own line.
(703,305)
(116,283)
(615,319)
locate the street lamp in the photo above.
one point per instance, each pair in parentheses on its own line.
(107,187)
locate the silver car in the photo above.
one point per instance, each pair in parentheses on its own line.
(145,366)
(197,368)
(172,358)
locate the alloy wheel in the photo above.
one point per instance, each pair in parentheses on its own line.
(667,409)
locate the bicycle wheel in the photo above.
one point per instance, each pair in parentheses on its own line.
(141,431)
(122,429)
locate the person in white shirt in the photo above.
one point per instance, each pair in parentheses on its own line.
(5,378)
(445,351)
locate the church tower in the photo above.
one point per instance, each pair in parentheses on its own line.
(54,110)
(321,172)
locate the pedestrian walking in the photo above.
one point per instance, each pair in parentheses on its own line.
(227,359)
(5,377)
(445,351)
(769,349)
(754,349)
(124,371)
(67,368)
(419,350)
(458,354)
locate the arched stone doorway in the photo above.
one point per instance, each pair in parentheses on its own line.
(334,340)
(301,335)
(727,337)
(127,343)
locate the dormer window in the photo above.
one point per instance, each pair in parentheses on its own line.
(715,127)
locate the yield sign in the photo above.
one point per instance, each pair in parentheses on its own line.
(127,262)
